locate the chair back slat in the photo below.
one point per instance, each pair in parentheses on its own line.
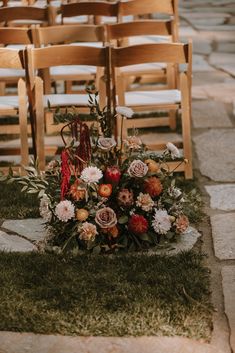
(10,59)
(96,8)
(14,35)
(14,13)
(58,55)
(138,28)
(147,53)
(66,34)
(140,7)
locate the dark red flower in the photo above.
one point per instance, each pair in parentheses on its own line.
(112,175)
(137,224)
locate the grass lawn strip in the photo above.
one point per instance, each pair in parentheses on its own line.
(105,295)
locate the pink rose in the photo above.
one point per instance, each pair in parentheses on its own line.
(137,169)
(106,217)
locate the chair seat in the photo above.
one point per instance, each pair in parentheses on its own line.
(134,40)
(143,98)
(65,100)
(143,68)
(73,70)
(9,102)
(10,73)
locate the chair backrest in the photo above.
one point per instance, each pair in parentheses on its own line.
(14,35)
(119,31)
(140,7)
(66,34)
(10,14)
(89,8)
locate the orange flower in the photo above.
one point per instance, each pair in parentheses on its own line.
(82,214)
(105,190)
(153,186)
(153,166)
(77,192)
(113,231)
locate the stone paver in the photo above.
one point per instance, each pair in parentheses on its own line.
(13,243)
(209,114)
(223,232)
(26,342)
(200,64)
(216,150)
(186,242)
(228,281)
(214,91)
(31,228)
(222,197)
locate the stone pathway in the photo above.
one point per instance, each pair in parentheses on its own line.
(211,25)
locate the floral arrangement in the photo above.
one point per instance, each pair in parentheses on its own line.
(102,197)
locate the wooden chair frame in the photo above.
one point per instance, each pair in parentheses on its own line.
(174,53)
(9,58)
(42,58)
(53,35)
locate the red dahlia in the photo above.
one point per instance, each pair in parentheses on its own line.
(137,224)
(153,186)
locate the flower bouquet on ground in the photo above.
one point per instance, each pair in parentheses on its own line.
(102,197)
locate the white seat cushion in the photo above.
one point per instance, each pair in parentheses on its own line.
(148,39)
(145,98)
(10,73)
(73,70)
(63,100)
(9,102)
(143,68)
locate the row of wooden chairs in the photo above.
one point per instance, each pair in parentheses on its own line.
(97,36)
(111,60)
(95,10)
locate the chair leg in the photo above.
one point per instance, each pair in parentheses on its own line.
(172,119)
(23,124)
(186,126)
(40,135)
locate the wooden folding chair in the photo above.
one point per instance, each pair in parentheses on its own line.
(173,99)
(136,8)
(159,74)
(60,34)
(41,58)
(14,105)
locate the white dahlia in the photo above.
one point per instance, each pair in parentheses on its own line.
(175,153)
(161,222)
(124,111)
(91,175)
(65,210)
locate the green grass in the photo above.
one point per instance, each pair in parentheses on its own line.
(105,295)
(16,205)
